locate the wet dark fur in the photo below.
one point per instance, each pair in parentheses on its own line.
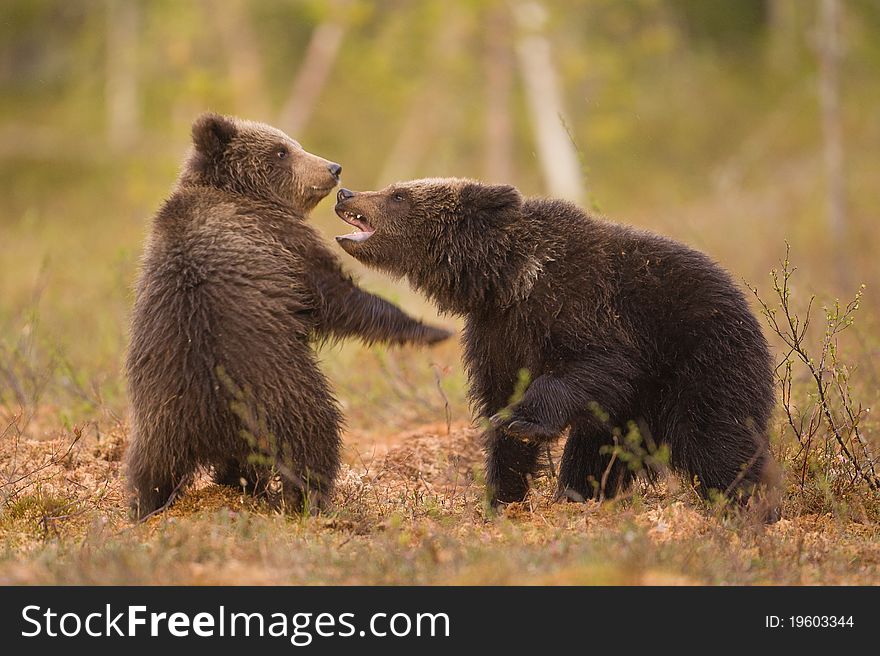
(234,285)
(613,324)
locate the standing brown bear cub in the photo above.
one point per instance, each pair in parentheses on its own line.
(616,327)
(233,287)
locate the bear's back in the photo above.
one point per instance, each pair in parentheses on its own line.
(612,282)
(220,311)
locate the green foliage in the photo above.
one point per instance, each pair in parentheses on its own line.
(255,424)
(36,513)
(719,23)
(638,453)
(630,446)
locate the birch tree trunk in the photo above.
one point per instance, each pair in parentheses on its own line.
(556,153)
(313,73)
(424,117)
(121,91)
(829,93)
(499,84)
(242,55)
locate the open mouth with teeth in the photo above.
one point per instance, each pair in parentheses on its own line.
(364,229)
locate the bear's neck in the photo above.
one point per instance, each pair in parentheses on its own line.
(265,199)
(498,272)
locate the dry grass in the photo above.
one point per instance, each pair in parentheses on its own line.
(409,509)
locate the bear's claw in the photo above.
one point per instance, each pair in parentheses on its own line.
(521,428)
(434,335)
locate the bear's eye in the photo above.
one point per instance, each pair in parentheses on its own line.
(397,198)
(281,153)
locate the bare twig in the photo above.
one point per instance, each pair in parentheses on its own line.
(57,457)
(437,378)
(166,505)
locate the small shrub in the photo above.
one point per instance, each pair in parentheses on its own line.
(831,462)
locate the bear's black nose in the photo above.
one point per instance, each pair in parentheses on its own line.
(335,169)
(344,194)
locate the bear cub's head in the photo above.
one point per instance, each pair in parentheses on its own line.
(444,234)
(425,220)
(259,161)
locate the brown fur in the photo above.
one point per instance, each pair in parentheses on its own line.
(233,287)
(616,327)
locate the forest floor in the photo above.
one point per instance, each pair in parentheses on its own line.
(409,509)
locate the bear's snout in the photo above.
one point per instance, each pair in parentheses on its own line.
(344,194)
(335,170)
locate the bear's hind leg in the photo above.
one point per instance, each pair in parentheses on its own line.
(510,462)
(310,445)
(728,459)
(307,486)
(714,413)
(585,471)
(254,480)
(152,489)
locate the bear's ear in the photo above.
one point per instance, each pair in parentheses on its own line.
(490,203)
(211,133)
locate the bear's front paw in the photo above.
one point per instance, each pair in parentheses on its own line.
(434,335)
(521,427)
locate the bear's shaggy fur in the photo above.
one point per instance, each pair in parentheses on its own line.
(616,327)
(234,285)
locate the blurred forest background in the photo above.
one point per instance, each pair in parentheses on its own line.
(736,126)
(733,125)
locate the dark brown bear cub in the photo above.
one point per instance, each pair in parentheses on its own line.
(616,327)
(234,285)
